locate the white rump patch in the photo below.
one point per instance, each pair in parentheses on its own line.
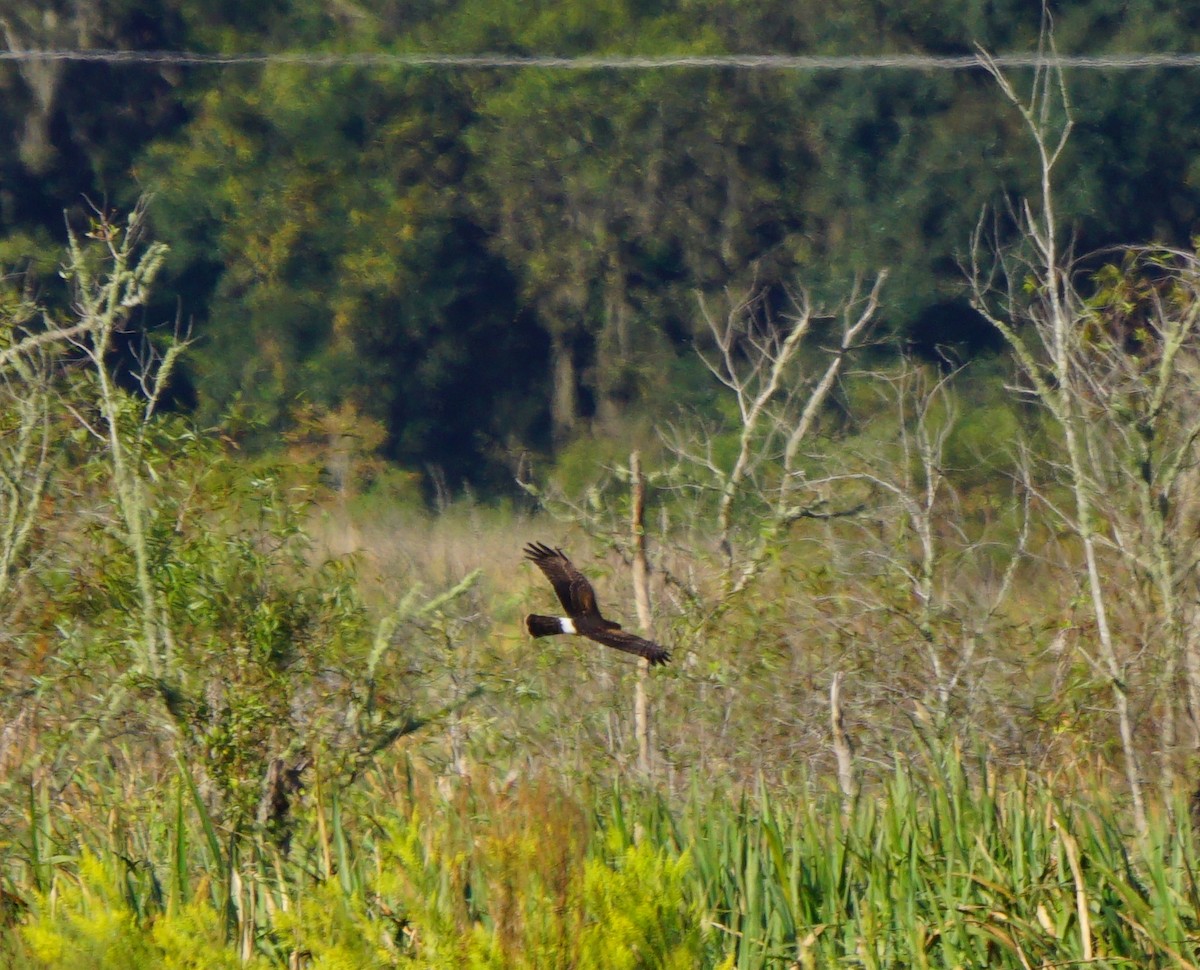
(565,624)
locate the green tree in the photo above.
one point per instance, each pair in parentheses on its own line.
(338,265)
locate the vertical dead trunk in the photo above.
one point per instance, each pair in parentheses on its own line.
(28,26)
(564,401)
(1058,381)
(641,595)
(841,745)
(612,349)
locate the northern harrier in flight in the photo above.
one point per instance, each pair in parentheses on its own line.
(583,616)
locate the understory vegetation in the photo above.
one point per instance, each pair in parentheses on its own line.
(935,690)
(259,713)
(948,864)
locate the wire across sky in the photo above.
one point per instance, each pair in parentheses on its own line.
(616,62)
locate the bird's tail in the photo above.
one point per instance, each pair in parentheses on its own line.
(543,626)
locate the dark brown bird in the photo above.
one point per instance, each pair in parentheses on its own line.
(583,615)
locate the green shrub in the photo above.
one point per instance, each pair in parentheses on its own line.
(336,930)
(87,921)
(637,915)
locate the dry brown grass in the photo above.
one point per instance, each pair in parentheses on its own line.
(400,546)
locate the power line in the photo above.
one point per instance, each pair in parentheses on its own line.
(757,62)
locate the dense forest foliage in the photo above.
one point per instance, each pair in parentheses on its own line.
(493,262)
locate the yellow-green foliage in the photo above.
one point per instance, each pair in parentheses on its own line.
(87,922)
(637,915)
(425,880)
(524,895)
(335,930)
(193,938)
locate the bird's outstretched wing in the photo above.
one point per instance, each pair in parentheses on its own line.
(656,653)
(571,586)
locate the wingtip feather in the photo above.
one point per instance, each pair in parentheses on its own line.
(539,550)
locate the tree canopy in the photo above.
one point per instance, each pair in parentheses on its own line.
(495,261)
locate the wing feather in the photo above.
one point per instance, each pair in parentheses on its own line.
(656,653)
(570,585)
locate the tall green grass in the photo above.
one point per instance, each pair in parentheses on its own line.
(946,868)
(947,864)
